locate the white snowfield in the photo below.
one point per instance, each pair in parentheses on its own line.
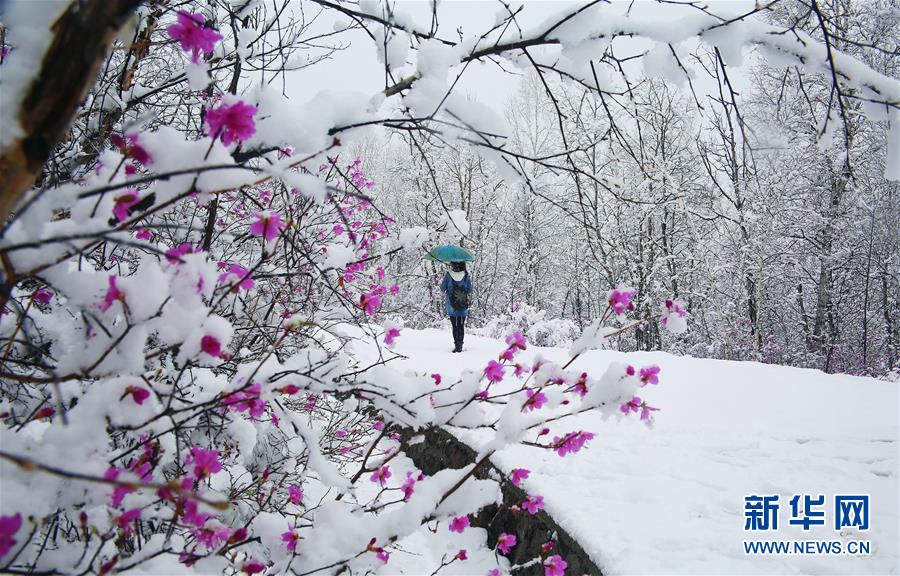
(670,499)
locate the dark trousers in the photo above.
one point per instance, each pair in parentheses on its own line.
(459,326)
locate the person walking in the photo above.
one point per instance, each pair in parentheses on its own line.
(456,286)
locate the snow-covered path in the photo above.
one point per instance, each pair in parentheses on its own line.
(671,499)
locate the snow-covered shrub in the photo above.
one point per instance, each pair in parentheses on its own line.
(534,324)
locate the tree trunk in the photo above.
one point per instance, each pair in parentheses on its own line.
(69,68)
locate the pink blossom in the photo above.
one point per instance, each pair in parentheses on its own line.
(462,555)
(370,303)
(193,34)
(629,370)
(378,425)
(137,393)
(536,399)
(296,494)
(43,296)
(123,204)
(459,524)
(192,515)
(494,371)
(650,375)
(119,492)
(581,386)
(571,442)
(45,412)
(555,566)
(508,354)
(506,542)
(144,234)
(211,345)
(238,535)
(437,379)
(131,147)
(390,335)
(632,405)
(394,290)
(380,475)
(620,300)
(112,294)
(290,539)
(516,341)
(646,409)
(290,389)
(237,273)
(493,572)
(267,225)
(253,567)
(248,401)
(174,255)
(520,369)
(518,474)
(205,462)
(409,484)
(231,122)
(212,534)
(124,521)
(9,525)
(382,555)
(533,504)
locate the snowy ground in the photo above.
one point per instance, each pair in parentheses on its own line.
(671,499)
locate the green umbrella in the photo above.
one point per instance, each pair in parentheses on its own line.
(448,253)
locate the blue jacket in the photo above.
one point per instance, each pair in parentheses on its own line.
(447,285)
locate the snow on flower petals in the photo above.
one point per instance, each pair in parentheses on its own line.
(506,542)
(295,494)
(231,122)
(267,225)
(673,316)
(193,34)
(9,525)
(620,300)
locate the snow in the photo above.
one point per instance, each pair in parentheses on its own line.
(669,499)
(30,34)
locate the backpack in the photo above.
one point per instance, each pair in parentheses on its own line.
(459,298)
